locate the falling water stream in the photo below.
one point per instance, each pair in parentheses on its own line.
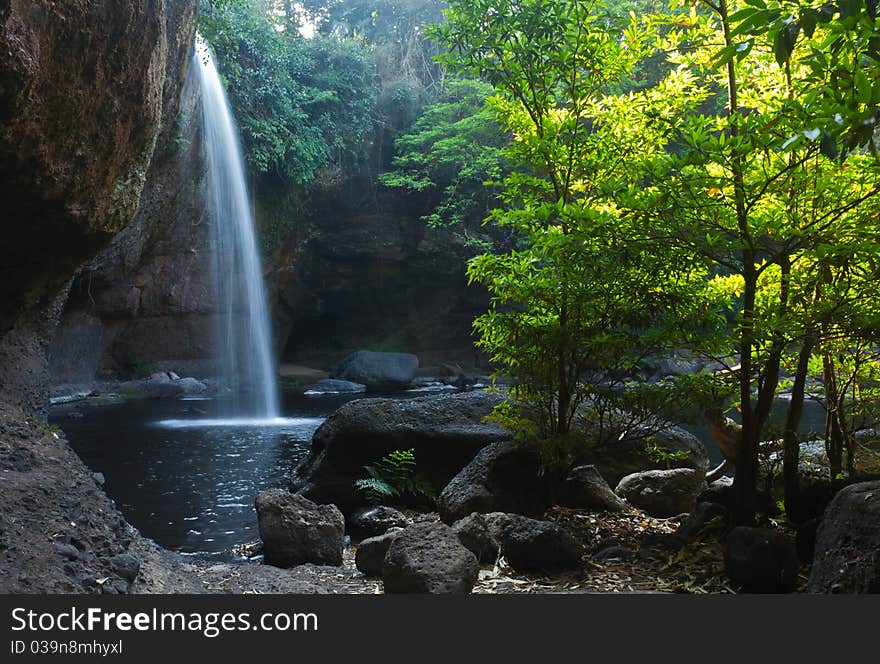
(243,336)
(185,472)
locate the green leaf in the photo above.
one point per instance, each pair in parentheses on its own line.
(808,19)
(784,42)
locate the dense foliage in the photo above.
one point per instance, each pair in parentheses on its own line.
(320,108)
(454,151)
(747,234)
(566,316)
(302,105)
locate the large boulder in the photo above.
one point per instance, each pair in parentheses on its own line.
(371,552)
(161,386)
(532,545)
(444,431)
(501,478)
(760,560)
(334,386)
(663,493)
(378,371)
(372,521)
(429,558)
(621,450)
(585,488)
(707,520)
(847,549)
(296,531)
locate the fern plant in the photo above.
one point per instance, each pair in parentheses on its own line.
(393,479)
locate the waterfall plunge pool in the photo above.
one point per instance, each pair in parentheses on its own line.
(186,478)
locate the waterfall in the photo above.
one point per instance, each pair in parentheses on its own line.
(243,335)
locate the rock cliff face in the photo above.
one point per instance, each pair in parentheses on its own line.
(370,274)
(86,88)
(146,298)
(360,270)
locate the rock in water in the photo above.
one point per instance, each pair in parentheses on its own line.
(585,488)
(445,432)
(760,560)
(429,558)
(296,531)
(378,371)
(531,545)
(847,549)
(332,386)
(501,478)
(663,493)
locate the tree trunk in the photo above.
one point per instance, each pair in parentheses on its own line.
(744,482)
(564,388)
(747,456)
(834,443)
(791,449)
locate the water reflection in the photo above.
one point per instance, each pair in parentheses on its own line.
(185,481)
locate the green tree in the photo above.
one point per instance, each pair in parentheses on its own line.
(760,193)
(301,104)
(394,27)
(584,297)
(452,152)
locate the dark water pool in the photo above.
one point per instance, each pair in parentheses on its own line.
(186,483)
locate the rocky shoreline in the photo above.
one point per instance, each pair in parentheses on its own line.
(60,533)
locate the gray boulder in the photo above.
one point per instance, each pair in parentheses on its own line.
(371,552)
(473,532)
(501,478)
(190,386)
(332,386)
(429,558)
(707,520)
(162,386)
(663,493)
(847,549)
(296,531)
(760,560)
(444,431)
(378,371)
(585,488)
(372,521)
(532,545)
(720,491)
